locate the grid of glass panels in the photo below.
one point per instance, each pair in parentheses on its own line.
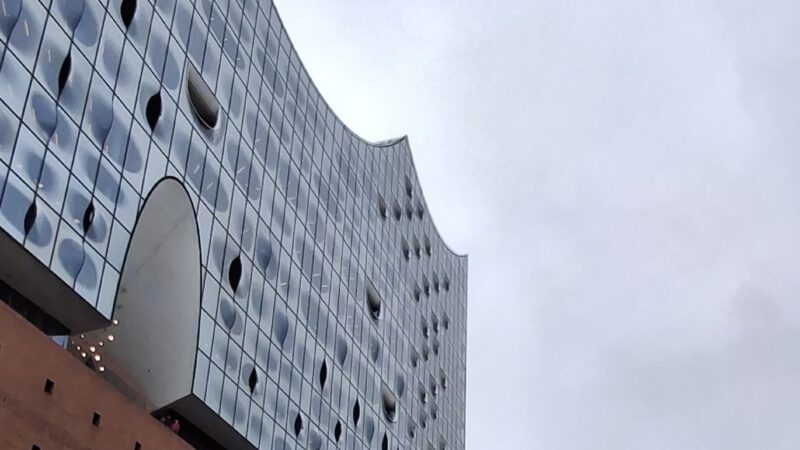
(297,214)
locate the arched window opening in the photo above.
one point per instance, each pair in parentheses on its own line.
(204,105)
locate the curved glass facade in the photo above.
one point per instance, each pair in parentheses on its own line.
(332,313)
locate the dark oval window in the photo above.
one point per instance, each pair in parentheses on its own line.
(88,217)
(235,273)
(337,431)
(298,425)
(204,105)
(30,218)
(252,380)
(356,413)
(323,374)
(385,442)
(63,74)
(127,10)
(153,110)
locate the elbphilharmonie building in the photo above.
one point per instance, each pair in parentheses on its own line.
(208,244)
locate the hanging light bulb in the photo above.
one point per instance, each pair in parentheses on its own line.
(101,369)
(83,337)
(110,338)
(97,358)
(78,348)
(83,354)
(100,343)
(92,349)
(115,322)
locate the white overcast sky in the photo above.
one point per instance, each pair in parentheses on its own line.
(625,177)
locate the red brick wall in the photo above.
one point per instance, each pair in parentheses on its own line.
(63,419)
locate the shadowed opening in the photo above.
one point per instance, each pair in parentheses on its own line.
(153,110)
(356,413)
(63,74)
(389,404)
(373,302)
(204,105)
(126,11)
(158,300)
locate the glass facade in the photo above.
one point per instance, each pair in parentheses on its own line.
(333,315)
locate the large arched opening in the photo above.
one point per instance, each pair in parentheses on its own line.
(157,309)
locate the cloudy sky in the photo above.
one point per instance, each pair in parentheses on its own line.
(625,177)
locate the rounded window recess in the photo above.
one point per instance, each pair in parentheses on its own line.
(280,328)
(88,217)
(427,246)
(417,249)
(373,302)
(446,322)
(298,425)
(423,396)
(341,350)
(30,218)
(409,211)
(409,188)
(433,386)
(414,358)
(412,429)
(252,380)
(405,249)
(434,412)
(398,211)
(385,442)
(425,352)
(63,74)
(436,347)
(374,349)
(204,105)
(235,273)
(400,385)
(443,381)
(424,328)
(426,286)
(356,413)
(383,210)
(323,374)
(228,314)
(435,324)
(446,284)
(389,404)
(263,253)
(153,110)
(127,10)
(420,211)
(417,293)
(337,431)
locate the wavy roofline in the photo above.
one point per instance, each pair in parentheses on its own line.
(388,143)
